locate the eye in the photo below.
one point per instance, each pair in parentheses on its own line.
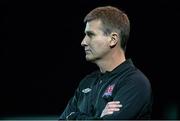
(90,34)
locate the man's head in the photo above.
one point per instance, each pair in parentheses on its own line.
(113,20)
(106,27)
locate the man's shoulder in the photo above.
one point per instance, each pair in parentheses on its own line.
(138,79)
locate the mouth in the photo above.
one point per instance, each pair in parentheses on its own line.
(87,51)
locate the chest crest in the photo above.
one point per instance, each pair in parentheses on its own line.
(109,90)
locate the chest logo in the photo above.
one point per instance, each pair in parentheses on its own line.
(86,90)
(109,90)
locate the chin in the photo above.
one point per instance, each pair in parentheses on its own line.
(89,58)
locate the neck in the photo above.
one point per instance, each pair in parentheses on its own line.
(111,61)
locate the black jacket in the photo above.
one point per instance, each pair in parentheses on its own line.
(125,83)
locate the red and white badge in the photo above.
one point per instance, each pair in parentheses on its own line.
(109,90)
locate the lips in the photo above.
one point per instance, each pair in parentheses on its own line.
(87,51)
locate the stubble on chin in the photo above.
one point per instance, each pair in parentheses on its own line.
(89,58)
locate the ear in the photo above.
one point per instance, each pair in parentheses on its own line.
(114,39)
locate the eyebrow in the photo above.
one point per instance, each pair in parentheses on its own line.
(89,33)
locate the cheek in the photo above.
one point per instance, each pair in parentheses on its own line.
(102,44)
(101,41)
(99,47)
(98,43)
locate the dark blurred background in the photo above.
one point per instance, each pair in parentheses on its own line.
(42,61)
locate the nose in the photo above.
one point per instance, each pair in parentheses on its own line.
(84,43)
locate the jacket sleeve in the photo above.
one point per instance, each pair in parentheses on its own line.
(135,98)
(70,108)
(72,112)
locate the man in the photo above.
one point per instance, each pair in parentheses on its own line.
(118,90)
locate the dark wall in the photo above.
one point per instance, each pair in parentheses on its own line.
(43,62)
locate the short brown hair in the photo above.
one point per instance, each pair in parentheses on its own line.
(113,19)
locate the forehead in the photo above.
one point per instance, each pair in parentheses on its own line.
(94,25)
